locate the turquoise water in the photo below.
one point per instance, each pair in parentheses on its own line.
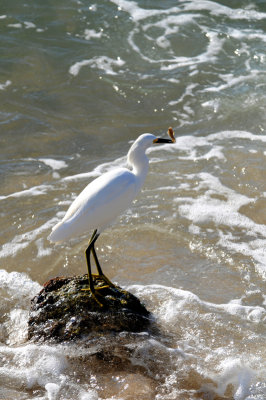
(79,81)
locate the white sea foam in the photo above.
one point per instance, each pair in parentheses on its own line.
(16,326)
(178,301)
(54,164)
(196,352)
(18,286)
(43,366)
(92,34)
(52,390)
(202,323)
(170,21)
(236,135)
(33,191)
(234,372)
(16,291)
(247,34)
(189,91)
(231,81)
(104,63)
(42,251)
(29,25)
(99,170)
(20,362)
(217,204)
(190,144)
(33,365)
(213,47)
(209,207)
(3,86)
(20,242)
(171,25)
(219,9)
(17,26)
(137,13)
(226,212)
(206,208)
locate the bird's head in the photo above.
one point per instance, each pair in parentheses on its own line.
(136,154)
(147,139)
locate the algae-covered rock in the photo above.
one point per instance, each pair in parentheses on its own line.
(63,311)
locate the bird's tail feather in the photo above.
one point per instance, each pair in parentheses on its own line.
(58,234)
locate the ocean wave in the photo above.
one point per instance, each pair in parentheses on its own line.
(203,356)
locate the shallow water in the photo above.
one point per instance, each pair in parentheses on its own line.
(79,82)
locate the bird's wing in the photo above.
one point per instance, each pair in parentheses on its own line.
(110,194)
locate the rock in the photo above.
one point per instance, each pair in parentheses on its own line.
(62,311)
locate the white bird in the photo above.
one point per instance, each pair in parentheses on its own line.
(104,199)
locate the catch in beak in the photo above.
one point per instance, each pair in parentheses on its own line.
(170,133)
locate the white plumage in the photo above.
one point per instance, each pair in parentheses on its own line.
(107,196)
(104,199)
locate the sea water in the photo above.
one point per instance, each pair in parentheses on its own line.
(79,82)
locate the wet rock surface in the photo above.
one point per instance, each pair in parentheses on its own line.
(63,310)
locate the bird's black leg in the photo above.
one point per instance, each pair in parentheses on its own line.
(90,275)
(99,268)
(87,252)
(91,248)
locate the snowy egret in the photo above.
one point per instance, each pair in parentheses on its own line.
(104,199)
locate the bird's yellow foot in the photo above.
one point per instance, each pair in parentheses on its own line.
(107,281)
(102,277)
(96,290)
(93,295)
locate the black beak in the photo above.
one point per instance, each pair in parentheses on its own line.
(161,140)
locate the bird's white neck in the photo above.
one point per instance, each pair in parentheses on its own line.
(138,160)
